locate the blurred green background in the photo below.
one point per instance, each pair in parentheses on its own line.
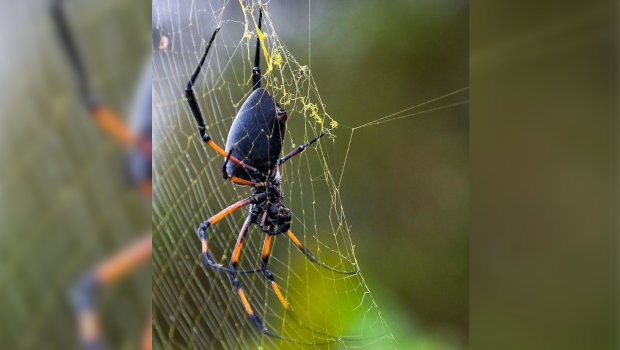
(406,183)
(408,180)
(545,174)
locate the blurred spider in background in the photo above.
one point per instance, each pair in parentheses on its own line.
(137,139)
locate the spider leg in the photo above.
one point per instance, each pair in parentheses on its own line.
(244,299)
(82,296)
(147,336)
(313,258)
(202,233)
(66,39)
(112,124)
(270,278)
(105,118)
(224,171)
(234,178)
(190,95)
(256,75)
(301,148)
(234,259)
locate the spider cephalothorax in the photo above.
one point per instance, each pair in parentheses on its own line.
(252,158)
(271,215)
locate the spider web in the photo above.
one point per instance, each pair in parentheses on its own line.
(64,201)
(195,307)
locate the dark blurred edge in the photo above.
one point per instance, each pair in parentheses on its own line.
(544,153)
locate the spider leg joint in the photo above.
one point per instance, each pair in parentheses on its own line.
(83,293)
(202,229)
(268,274)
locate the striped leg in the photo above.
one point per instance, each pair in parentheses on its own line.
(202,233)
(234,179)
(270,278)
(244,299)
(105,118)
(147,336)
(234,259)
(268,275)
(112,124)
(190,95)
(313,258)
(109,271)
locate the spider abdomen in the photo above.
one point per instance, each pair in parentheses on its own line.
(257,134)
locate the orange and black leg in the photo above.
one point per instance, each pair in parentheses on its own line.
(190,95)
(202,233)
(147,336)
(111,270)
(234,259)
(105,118)
(244,299)
(112,124)
(313,258)
(271,280)
(234,179)
(268,275)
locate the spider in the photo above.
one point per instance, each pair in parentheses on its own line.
(137,138)
(252,159)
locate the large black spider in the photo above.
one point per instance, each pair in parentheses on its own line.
(255,138)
